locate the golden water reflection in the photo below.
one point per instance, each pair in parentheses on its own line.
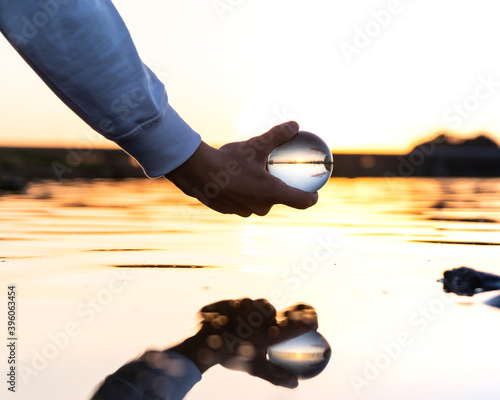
(367,256)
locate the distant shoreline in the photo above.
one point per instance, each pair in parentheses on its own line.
(30,164)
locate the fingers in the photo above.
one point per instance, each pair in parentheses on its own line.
(297,320)
(225,207)
(300,200)
(224,307)
(276,136)
(256,319)
(292,197)
(276,375)
(252,327)
(246,308)
(241,208)
(301,314)
(298,307)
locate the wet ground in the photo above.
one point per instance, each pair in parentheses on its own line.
(106,269)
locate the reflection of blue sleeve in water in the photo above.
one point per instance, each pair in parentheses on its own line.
(84,53)
(155,376)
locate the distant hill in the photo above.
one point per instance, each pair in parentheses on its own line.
(446,140)
(443,155)
(448,156)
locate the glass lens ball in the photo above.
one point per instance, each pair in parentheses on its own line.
(304,162)
(305,356)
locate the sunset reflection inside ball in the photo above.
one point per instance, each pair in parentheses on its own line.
(305,356)
(304,162)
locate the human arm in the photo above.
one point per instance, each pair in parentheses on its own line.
(84,53)
(156,375)
(233,333)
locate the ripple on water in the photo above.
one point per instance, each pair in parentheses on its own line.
(162,266)
(124,250)
(478,220)
(455,242)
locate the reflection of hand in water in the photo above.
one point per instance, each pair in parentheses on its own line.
(234,334)
(237,333)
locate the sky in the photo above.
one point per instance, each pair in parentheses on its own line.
(366,76)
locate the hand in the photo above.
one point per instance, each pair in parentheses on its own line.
(234,179)
(237,333)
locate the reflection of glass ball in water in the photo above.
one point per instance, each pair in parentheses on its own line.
(304,162)
(305,356)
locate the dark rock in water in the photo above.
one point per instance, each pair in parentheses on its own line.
(462,281)
(11,183)
(466,281)
(494,302)
(440,204)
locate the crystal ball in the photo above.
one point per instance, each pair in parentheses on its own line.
(304,162)
(305,356)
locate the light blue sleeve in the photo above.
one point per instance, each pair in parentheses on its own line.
(156,375)
(84,53)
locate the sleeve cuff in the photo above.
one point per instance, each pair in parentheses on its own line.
(161,145)
(155,375)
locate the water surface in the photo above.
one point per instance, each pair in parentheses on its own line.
(367,256)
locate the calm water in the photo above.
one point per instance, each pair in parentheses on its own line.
(367,256)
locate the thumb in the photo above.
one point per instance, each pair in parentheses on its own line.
(275,137)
